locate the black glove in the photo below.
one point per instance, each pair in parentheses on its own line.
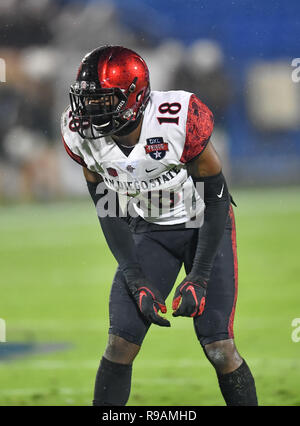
(149,301)
(192,291)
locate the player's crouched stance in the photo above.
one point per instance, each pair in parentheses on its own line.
(142,144)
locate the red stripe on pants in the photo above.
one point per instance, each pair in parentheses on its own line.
(235,263)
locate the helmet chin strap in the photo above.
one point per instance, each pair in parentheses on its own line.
(101,122)
(130,127)
(100,126)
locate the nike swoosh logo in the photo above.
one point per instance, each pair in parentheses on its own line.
(151,170)
(221,193)
(142,294)
(192,290)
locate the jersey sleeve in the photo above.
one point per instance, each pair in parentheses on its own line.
(65,136)
(199,127)
(75,157)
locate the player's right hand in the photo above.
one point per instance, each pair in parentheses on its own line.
(149,301)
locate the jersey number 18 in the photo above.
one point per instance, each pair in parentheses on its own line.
(172,109)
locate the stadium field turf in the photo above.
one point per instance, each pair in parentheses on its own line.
(55,278)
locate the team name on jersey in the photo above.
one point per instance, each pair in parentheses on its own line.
(144,185)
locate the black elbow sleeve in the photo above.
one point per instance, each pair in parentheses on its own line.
(217,200)
(215,189)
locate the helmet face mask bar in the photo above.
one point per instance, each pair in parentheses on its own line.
(97,111)
(100,111)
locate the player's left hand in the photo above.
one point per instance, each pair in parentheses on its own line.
(191,292)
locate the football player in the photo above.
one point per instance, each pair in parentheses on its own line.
(153,150)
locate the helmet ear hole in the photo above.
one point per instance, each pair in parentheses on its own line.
(139,95)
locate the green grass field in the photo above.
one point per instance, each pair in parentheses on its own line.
(55,278)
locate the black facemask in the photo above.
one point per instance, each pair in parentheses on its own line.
(101,122)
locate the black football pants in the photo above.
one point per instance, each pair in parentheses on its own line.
(161,255)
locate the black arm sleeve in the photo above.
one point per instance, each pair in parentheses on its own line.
(217,201)
(118,237)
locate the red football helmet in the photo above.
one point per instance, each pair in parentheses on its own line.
(111,92)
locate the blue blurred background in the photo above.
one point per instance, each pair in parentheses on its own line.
(235,55)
